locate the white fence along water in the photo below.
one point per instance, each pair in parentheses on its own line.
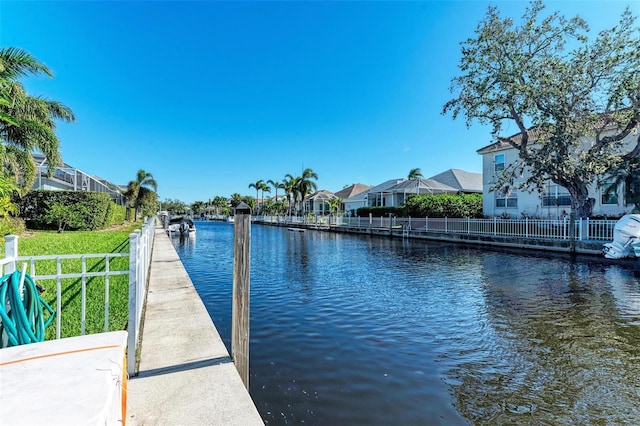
(583,229)
(140,246)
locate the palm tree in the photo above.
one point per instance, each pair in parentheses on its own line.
(628,173)
(258,186)
(276,185)
(219,203)
(293,190)
(415,174)
(235,199)
(27,124)
(334,204)
(264,188)
(141,190)
(306,185)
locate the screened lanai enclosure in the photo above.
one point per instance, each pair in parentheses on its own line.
(318,203)
(397,194)
(68,178)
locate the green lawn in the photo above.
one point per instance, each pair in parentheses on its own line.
(39,243)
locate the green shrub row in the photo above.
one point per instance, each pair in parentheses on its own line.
(72,210)
(431,205)
(444,205)
(116,215)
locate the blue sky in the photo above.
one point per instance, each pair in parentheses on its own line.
(211,96)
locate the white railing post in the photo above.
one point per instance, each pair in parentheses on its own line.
(139,278)
(11,252)
(587,229)
(526,227)
(132,325)
(580,229)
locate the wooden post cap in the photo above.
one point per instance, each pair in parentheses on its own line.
(243,208)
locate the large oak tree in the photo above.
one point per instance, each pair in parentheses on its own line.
(574,100)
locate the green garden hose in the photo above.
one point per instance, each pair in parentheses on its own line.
(22,317)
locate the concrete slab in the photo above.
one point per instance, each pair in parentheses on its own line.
(185,376)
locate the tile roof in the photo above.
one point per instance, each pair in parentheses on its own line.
(352,190)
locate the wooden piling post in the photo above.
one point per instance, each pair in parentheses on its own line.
(240,307)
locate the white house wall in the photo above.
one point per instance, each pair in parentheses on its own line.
(530,203)
(354,205)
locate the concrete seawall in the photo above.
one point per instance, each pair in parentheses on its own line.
(566,246)
(185,374)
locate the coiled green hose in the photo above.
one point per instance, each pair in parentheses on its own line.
(22,316)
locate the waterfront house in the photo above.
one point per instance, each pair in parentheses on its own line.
(376,196)
(69,178)
(554,201)
(317,203)
(398,193)
(394,192)
(351,192)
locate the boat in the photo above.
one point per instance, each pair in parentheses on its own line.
(181,226)
(230,219)
(626,238)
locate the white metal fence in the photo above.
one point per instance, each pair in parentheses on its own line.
(583,229)
(140,246)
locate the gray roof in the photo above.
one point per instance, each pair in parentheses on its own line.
(383,187)
(461,180)
(422,186)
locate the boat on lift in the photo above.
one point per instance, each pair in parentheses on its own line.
(626,238)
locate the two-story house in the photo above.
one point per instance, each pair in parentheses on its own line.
(554,201)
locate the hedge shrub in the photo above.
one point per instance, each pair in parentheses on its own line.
(444,205)
(93,209)
(116,215)
(431,205)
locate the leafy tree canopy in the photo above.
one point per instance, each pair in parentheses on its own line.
(575,102)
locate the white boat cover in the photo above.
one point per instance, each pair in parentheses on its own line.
(626,234)
(73,381)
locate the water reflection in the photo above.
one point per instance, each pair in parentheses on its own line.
(556,353)
(367,330)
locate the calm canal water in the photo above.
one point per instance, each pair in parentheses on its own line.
(350,330)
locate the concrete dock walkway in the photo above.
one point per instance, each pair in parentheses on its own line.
(185,375)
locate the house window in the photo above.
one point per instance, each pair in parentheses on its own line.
(507,198)
(555,196)
(498,161)
(610,193)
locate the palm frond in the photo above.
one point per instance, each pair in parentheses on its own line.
(16,63)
